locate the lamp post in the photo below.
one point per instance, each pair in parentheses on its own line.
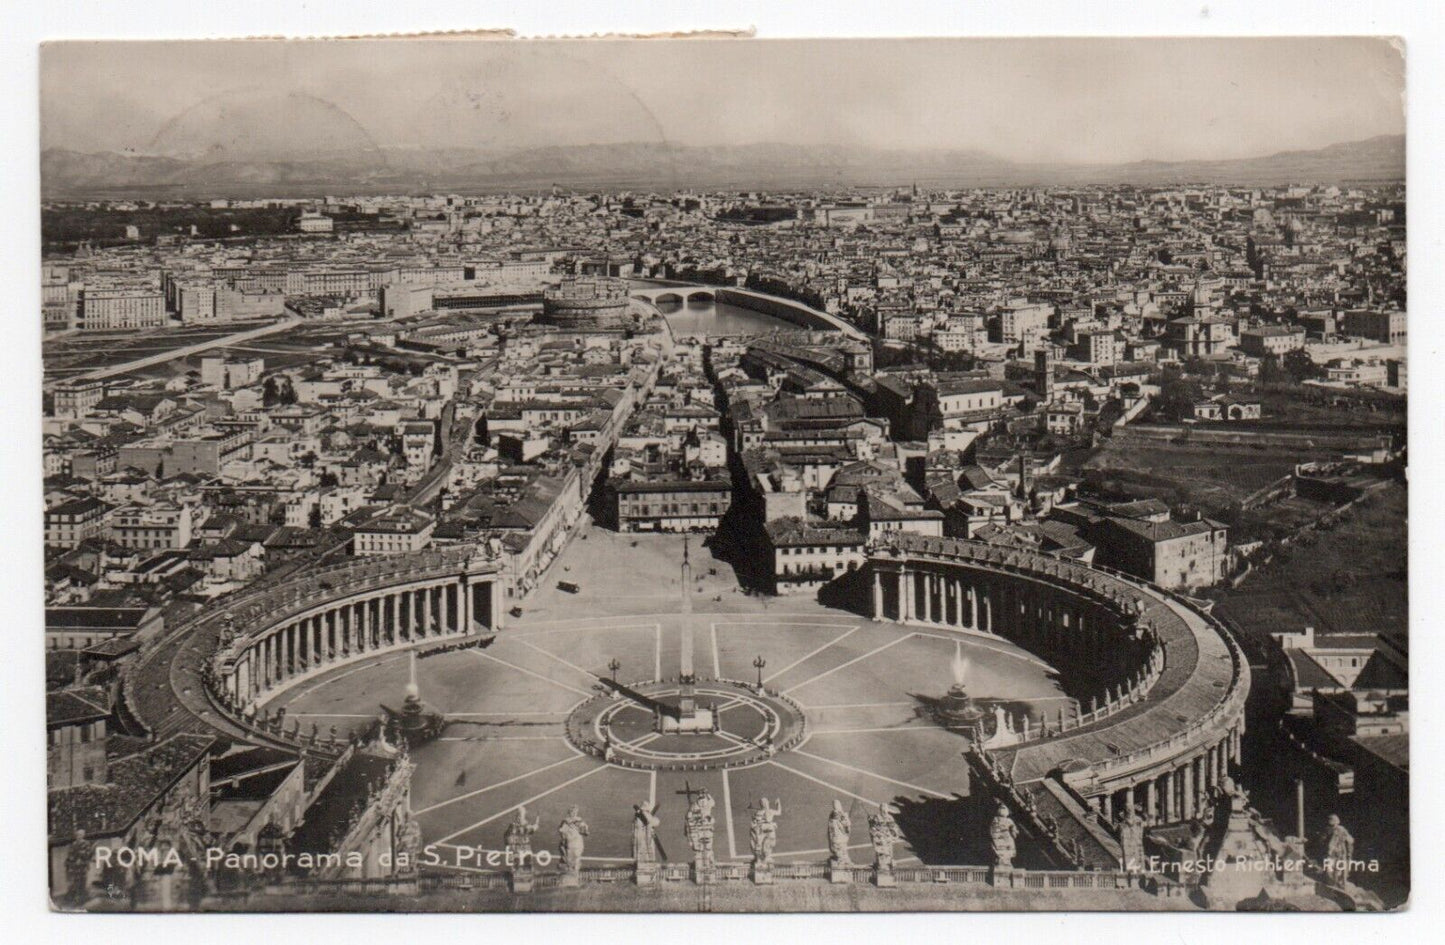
(758,664)
(613,665)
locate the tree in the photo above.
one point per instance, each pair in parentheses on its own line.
(1178,394)
(277,390)
(1300,366)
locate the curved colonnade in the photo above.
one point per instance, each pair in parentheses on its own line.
(279,636)
(1173,680)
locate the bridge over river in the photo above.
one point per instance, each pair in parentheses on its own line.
(786,310)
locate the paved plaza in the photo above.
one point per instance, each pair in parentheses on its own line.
(863,687)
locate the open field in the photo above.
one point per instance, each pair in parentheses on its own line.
(76,354)
(1208,476)
(1351,579)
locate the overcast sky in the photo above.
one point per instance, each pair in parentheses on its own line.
(1028,100)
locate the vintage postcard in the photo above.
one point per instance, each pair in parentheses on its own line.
(725,474)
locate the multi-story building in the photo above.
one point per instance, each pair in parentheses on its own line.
(227,373)
(1271,340)
(313,222)
(75,736)
(1385,326)
(806,555)
(1198,337)
(148,528)
(73,399)
(202,454)
(1098,347)
(120,308)
(394,531)
(1015,324)
(418,441)
(71,522)
(1170,553)
(671,505)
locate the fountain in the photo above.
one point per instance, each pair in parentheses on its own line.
(956,710)
(414,724)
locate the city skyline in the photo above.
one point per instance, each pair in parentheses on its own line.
(1087,101)
(450,446)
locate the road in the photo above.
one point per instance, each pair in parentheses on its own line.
(454,435)
(164,356)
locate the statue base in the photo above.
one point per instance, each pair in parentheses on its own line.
(704,872)
(1001,876)
(522,879)
(569,880)
(884,879)
(695,721)
(840,872)
(762,874)
(646,874)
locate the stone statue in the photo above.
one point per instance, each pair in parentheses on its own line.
(644,833)
(763,833)
(409,847)
(1002,837)
(77,868)
(1131,839)
(883,832)
(518,838)
(840,829)
(1238,796)
(571,838)
(699,827)
(1339,851)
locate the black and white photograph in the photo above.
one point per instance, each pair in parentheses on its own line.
(723,473)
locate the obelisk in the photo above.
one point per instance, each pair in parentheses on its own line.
(686,702)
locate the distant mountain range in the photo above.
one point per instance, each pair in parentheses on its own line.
(642,166)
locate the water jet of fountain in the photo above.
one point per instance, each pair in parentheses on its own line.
(959,664)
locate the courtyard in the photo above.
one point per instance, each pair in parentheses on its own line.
(864,690)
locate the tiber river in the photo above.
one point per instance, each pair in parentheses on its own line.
(718,318)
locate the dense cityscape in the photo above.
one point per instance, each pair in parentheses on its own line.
(1130,460)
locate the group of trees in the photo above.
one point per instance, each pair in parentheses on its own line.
(1178,393)
(1293,367)
(277,391)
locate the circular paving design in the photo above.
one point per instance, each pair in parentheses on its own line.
(643,725)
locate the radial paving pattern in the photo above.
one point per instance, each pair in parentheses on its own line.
(859,691)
